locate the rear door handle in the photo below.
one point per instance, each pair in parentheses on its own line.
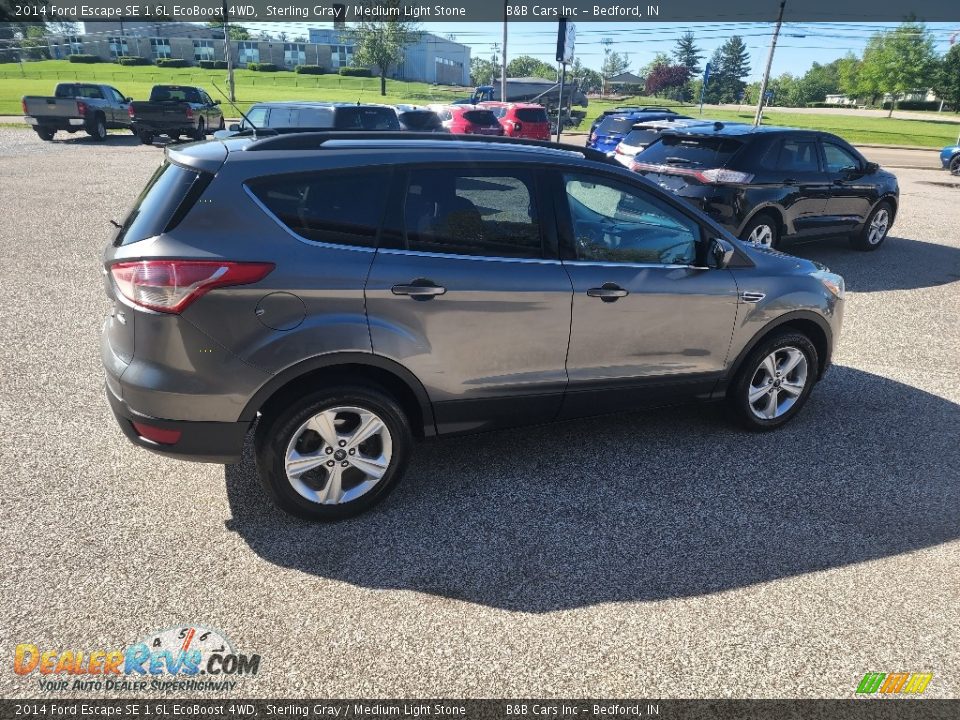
(419,289)
(608,292)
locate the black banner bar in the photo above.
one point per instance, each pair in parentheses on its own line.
(859,709)
(577,11)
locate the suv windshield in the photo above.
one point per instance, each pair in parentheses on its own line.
(366,118)
(685,150)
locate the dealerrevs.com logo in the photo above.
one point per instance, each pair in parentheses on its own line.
(179,659)
(898,683)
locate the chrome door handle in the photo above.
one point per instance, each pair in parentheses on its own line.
(608,292)
(419,290)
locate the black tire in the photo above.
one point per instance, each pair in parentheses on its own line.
(222,125)
(201,132)
(738,395)
(275,432)
(763,219)
(145,137)
(45,134)
(866,239)
(98,128)
(955,165)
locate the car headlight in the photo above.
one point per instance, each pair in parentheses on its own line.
(832,282)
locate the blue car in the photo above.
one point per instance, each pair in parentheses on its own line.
(613,128)
(950,157)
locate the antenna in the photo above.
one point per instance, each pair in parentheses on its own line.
(234,106)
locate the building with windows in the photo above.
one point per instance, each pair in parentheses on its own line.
(431,58)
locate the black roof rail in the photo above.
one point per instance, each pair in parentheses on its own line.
(315,141)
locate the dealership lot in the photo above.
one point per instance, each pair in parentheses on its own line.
(663,554)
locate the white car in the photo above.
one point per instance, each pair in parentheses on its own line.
(644,133)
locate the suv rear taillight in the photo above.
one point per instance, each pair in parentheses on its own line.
(23,104)
(712,176)
(130,110)
(189,113)
(81,108)
(170,286)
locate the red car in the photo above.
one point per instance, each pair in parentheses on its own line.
(468,119)
(526,120)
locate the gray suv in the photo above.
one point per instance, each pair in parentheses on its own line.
(346,295)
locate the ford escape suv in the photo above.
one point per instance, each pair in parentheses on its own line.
(344,296)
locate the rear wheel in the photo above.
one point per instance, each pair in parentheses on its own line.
(222,125)
(762,230)
(45,133)
(98,129)
(145,137)
(875,229)
(955,165)
(774,381)
(333,453)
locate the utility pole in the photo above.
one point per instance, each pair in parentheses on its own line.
(493,60)
(503,56)
(227,53)
(606,42)
(766,73)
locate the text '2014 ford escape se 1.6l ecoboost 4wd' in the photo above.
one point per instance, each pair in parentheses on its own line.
(345,295)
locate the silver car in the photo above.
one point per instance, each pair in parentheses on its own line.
(345,295)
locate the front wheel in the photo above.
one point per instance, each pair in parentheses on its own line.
(222,125)
(334,453)
(875,229)
(774,381)
(955,165)
(201,131)
(763,230)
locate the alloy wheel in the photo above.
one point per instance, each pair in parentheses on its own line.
(762,235)
(777,383)
(879,226)
(338,455)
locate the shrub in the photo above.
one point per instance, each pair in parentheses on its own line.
(355,72)
(309,69)
(172,63)
(83,58)
(262,67)
(132,60)
(915,105)
(213,64)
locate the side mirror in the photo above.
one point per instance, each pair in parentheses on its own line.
(216,102)
(871,167)
(128,99)
(234,128)
(722,252)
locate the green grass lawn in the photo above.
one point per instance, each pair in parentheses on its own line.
(40,78)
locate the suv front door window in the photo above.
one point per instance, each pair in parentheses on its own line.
(645,309)
(464,264)
(852,196)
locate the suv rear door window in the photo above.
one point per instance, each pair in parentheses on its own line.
(686,150)
(472,212)
(343,207)
(798,156)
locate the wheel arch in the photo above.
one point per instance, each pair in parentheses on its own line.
(804,321)
(348,367)
(769,209)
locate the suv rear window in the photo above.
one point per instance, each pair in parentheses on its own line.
(531,115)
(164,202)
(481,117)
(343,207)
(618,125)
(639,138)
(366,118)
(421,120)
(686,150)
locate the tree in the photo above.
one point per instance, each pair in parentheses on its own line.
(382,42)
(688,54)
(587,79)
(527,66)
(666,78)
(483,71)
(661,59)
(236,32)
(947,79)
(734,66)
(714,92)
(615,63)
(900,61)
(848,73)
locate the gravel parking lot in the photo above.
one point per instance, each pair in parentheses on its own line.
(652,555)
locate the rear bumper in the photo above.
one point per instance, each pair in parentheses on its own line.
(162,127)
(54,123)
(214,442)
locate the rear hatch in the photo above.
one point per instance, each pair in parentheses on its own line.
(482,122)
(421,121)
(363,117)
(533,122)
(635,141)
(611,131)
(677,162)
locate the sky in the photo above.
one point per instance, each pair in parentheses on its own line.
(800,44)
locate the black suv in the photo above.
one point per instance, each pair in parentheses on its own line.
(767,183)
